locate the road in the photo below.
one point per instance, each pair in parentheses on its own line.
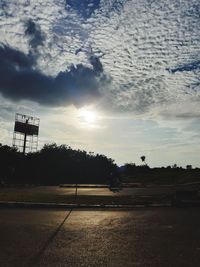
(143,237)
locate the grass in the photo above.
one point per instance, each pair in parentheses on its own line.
(171,177)
(82,199)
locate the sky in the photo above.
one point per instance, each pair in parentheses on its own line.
(116,77)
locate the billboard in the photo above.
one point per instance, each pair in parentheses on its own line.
(25,128)
(25,134)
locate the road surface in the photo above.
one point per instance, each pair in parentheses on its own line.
(143,237)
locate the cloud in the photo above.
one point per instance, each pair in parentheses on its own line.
(149,48)
(34,33)
(186,67)
(148,38)
(21,80)
(182,113)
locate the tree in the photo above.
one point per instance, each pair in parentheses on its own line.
(143,159)
(54,165)
(189,167)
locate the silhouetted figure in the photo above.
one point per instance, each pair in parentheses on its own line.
(115,180)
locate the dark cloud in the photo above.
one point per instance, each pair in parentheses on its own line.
(186,67)
(195,114)
(117,5)
(34,33)
(4,9)
(20,79)
(96,63)
(10,56)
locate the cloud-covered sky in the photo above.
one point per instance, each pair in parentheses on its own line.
(136,64)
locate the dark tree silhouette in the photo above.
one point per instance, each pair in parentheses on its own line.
(54,165)
(143,159)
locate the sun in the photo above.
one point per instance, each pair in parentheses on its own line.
(88,116)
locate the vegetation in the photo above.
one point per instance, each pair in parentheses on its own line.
(54,165)
(164,175)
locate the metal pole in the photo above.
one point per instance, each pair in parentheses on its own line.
(24,146)
(25,136)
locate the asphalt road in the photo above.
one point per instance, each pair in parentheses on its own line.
(144,237)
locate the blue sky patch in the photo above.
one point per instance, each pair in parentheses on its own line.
(84,8)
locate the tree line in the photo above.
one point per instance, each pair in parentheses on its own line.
(54,165)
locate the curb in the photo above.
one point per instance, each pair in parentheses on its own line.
(32,205)
(78,206)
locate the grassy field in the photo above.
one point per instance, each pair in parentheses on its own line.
(164,177)
(80,199)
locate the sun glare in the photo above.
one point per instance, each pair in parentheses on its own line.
(88,116)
